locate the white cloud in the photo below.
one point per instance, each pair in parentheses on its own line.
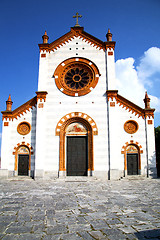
(155,103)
(132,81)
(128,83)
(149,66)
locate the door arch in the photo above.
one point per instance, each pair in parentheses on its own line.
(61,130)
(23,161)
(132,158)
(26,150)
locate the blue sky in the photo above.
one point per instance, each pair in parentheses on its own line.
(133,23)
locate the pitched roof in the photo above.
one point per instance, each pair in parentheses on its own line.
(76,32)
(20,110)
(128,105)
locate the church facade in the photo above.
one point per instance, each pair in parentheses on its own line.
(78,124)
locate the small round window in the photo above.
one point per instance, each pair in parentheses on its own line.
(23,128)
(131,126)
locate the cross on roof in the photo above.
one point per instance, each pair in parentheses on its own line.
(77,16)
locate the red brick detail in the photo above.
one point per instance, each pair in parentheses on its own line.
(63,67)
(150,121)
(43,55)
(112,104)
(61,131)
(76,32)
(110,53)
(41,95)
(130,106)
(124,151)
(6,124)
(16,153)
(20,110)
(40,105)
(78,115)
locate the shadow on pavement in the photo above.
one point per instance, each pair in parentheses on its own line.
(148,234)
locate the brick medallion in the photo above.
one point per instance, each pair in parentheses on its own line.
(131,126)
(24,128)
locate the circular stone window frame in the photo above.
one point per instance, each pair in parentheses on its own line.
(133,121)
(18,128)
(65,66)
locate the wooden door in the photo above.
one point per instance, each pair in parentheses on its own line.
(77,157)
(132,164)
(23,164)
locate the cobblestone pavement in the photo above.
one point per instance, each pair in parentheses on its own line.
(79,209)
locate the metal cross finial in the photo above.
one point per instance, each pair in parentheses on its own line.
(77,16)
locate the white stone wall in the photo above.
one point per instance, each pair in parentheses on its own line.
(44,119)
(118,115)
(58,104)
(10,139)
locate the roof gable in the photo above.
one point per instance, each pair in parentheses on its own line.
(20,110)
(76,32)
(130,106)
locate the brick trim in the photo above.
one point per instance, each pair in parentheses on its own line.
(15,152)
(20,110)
(76,32)
(128,105)
(91,127)
(77,115)
(124,151)
(64,66)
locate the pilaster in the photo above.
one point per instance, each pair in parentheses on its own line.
(40,135)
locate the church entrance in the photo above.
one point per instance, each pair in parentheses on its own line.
(76,131)
(132,164)
(76,150)
(23,161)
(77,157)
(23,164)
(132,160)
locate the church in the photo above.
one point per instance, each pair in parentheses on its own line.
(77,124)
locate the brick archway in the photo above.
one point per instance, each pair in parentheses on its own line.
(124,151)
(91,127)
(15,152)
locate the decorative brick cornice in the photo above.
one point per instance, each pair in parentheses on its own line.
(76,32)
(41,95)
(149,112)
(128,105)
(20,110)
(110,45)
(112,94)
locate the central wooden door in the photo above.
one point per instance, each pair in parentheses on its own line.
(132,164)
(23,164)
(77,157)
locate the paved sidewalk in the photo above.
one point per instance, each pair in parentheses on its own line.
(65,209)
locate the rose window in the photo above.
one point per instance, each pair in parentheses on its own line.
(77,78)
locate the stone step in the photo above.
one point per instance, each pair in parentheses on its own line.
(20,178)
(77,179)
(134,177)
